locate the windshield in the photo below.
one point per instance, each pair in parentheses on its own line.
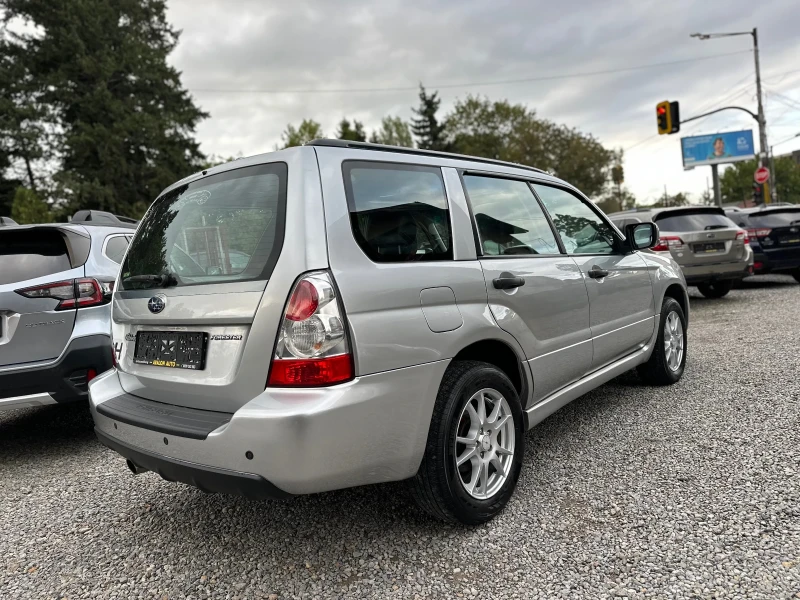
(227,227)
(782,218)
(699,221)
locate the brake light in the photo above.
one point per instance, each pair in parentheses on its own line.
(742,235)
(312,348)
(667,242)
(72,293)
(759,232)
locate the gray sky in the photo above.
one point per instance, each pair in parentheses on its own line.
(293,47)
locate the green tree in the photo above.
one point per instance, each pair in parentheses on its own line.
(126,125)
(427,128)
(353,133)
(512,132)
(670,201)
(297,136)
(736,181)
(394,131)
(28,208)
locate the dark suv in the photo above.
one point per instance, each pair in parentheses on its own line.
(774,233)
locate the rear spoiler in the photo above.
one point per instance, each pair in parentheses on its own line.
(689,210)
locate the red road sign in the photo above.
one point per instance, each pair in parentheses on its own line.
(761,175)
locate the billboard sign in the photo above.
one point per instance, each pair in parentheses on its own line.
(717,148)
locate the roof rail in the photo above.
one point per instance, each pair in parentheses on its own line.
(7,221)
(418,152)
(101,217)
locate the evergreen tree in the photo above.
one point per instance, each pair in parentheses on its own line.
(29,209)
(430,133)
(125,123)
(354,133)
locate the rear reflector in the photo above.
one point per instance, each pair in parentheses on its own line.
(309,372)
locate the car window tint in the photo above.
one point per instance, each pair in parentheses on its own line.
(783,218)
(510,220)
(581,229)
(115,248)
(398,212)
(693,222)
(26,254)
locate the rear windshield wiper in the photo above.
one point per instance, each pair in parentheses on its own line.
(165,280)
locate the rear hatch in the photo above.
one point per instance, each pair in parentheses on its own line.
(777,231)
(32,329)
(191,286)
(701,236)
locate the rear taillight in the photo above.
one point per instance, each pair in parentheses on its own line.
(667,242)
(759,232)
(742,235)
(73,293)
(312,348)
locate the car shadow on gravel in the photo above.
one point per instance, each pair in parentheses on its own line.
(45,428)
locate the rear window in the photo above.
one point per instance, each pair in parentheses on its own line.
(223,228)
(693,222)
(398,212)
(775,218)
(30,254)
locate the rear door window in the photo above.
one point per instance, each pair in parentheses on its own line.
(27,254)
(398,213)
(774,219)
(698,221)
(509,218)
(223,228)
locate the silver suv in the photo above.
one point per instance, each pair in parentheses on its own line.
(55,318)
(713,252)
(343,314)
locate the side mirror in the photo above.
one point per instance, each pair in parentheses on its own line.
(641,236)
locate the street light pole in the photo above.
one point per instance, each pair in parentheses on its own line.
(762,121)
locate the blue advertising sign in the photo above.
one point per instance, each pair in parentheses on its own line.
(716,148)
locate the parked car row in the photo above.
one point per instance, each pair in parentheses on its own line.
(346,313)
(716,248)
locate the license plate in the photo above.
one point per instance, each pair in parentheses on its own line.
(709,247)
(171,349)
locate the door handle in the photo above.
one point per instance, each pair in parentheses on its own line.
(597,273)
(507,282)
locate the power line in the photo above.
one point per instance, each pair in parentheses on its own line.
(465,84)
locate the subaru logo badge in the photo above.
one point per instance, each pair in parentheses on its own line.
(156,304)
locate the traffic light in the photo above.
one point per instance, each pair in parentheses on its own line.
(758,193)
(668,118)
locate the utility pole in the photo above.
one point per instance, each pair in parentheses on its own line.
(762,121)
(715,178)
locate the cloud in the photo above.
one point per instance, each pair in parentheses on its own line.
(348,44)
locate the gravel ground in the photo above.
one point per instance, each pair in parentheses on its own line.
(690,491)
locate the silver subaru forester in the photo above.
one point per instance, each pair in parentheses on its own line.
(344,313)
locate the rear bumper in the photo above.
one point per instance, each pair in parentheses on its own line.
(300,441)
(206,478)
(776,261)
(717,272)
(62,381)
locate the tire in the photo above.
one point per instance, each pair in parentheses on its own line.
(439,487)
(657,370)
(717,289)
(796,275)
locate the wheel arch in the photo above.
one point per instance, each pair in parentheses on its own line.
(677,292)
(503,356)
